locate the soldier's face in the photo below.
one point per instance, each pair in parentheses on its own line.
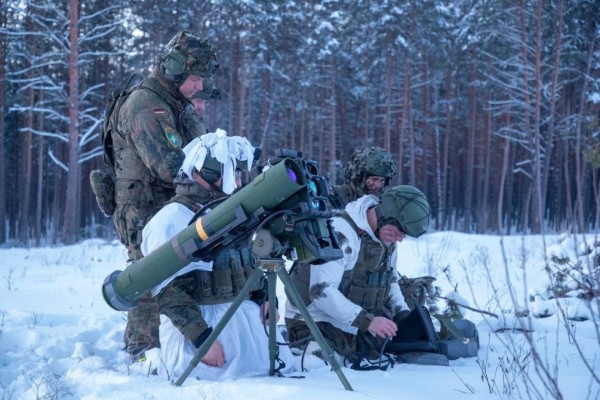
(191,86)
(375,184)
(199,105)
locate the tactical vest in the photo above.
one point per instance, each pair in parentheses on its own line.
(367,284)
(231,267)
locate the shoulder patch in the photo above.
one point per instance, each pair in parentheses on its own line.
(173,137)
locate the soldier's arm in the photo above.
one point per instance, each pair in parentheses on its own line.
(325,279)
(176,302)
(395,302)
(154,135)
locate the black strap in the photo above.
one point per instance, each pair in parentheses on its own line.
(358,361)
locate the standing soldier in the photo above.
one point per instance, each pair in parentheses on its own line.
(369,171)
(146,134)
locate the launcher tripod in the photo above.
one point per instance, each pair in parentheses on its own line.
(271,268)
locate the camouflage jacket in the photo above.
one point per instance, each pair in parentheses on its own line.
(154,123)
(344,194)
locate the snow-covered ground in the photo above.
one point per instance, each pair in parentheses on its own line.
(59,339)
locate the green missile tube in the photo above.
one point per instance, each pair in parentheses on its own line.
(274,186)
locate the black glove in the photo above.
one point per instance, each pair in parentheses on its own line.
(202,338)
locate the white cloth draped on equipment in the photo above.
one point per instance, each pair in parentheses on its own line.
(228,150)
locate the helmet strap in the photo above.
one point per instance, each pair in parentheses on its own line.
(380,220)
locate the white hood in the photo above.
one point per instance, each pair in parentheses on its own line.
(357,210)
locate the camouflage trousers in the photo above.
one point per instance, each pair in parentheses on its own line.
(342,342)
(141,331)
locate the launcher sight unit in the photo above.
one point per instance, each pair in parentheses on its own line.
(284,211)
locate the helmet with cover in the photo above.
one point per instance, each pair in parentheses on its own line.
(370,161)
(187,54)
(216,155)
(406,207)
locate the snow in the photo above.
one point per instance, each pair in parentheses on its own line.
(59,339)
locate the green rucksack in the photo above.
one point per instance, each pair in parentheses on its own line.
(111,113)
(102,180)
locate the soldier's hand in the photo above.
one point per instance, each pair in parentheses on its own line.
(215,356)
(265,312)
(383,327)
(390,234)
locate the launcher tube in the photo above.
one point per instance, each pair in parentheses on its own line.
(122,289)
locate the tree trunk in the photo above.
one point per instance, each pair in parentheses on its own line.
(39,207)
(236,83)
(3,161)
(539,197)
(330,151)
(71,214)
(487,156)
(387,137)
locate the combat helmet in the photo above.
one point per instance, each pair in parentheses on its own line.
(370,161)
(406,207)
(187,54)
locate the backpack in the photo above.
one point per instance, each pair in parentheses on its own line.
(111,113)
(102,181)
(460,338)
(417,342)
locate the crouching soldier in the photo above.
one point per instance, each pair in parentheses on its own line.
(194,300)
(356,301)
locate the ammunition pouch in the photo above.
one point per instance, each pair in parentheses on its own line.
(135,193)
(231,270)
(371,299)
(103,187)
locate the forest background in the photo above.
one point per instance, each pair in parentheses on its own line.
(491,107)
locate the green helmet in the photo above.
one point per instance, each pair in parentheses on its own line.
(187,54)
(370,161)
(212,169)
(406,207)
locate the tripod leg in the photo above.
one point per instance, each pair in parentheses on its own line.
(272,320)
(314,329)
(203,349)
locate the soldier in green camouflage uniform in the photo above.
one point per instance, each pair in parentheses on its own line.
(369,171)
(152,126)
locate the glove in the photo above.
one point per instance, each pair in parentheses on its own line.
(202,338)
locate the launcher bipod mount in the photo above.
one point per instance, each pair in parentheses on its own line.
(271,268)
